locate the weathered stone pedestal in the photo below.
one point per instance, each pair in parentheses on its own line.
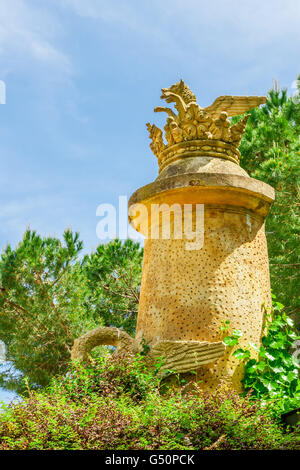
(190,287)
(186,295)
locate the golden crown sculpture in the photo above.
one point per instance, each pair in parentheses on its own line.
(197,131)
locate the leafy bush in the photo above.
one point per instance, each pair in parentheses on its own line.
(118,405)
(275,375)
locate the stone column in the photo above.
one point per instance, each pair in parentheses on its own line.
(188,291)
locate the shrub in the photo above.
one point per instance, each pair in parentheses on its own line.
(118,405)
(275,375)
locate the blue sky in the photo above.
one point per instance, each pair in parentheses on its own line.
(83,77)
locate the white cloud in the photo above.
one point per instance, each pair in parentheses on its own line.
(188,29)
(263,19)
(253,22)
(27,34)
(135,15)
(232,45)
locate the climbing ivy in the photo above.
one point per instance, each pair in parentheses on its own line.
(275,374)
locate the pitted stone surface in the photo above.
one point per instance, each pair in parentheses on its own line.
(186,295)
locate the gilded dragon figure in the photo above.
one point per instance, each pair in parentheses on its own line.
(192,122)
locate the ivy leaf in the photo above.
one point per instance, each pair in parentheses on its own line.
(237,333)
(293,375)
(230,341)
(269,356)
(278,370)
(241,354)
(261,366)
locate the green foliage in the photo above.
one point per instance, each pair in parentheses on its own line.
(114,275)
(270,151)
(49,297)
(116,404)
(41,296)
(224,326)
(275,374)
(233,339)
(109,376)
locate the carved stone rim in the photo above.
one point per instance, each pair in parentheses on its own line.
(204,181)
(207,188)
(199,148)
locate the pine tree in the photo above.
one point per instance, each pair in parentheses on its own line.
(114,274)
(49,297)
(270,151)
